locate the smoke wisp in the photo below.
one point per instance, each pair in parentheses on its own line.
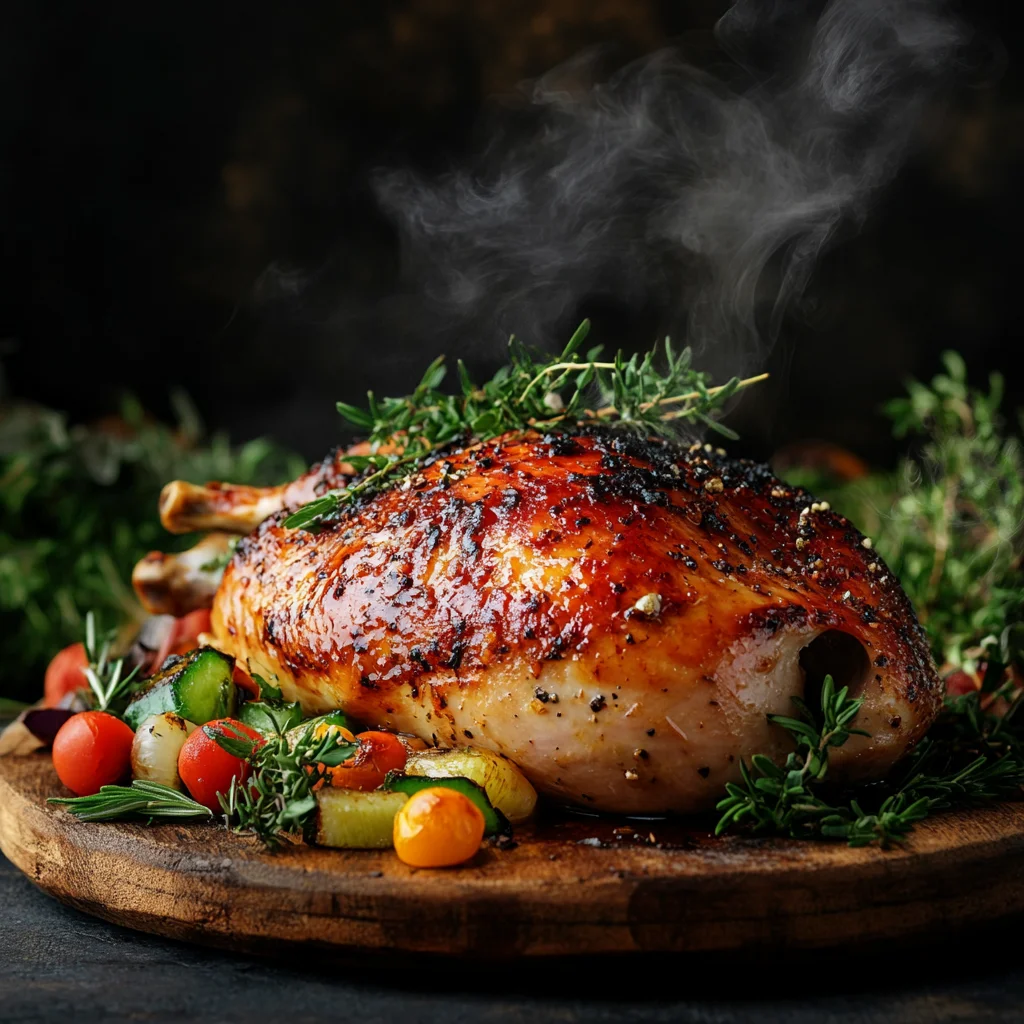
(707,196)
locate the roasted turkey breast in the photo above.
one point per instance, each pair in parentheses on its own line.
(616,614)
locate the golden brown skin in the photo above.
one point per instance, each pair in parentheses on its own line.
(616,615)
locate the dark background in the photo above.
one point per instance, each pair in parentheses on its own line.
(158,159)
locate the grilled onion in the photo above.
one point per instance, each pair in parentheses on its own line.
(158,741)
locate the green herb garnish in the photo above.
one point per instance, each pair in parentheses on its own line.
(531,391)
(785,800)
(109,686)
(973,754)
(221,561)
(139,800)
(277,800)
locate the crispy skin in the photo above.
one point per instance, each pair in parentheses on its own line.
(493,600)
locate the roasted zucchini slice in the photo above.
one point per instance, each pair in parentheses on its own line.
(196,686)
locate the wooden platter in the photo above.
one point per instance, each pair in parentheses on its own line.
(568,888)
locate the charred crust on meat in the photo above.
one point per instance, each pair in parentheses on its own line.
(406,564)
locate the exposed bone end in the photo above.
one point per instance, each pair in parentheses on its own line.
(179,584)
(189,508)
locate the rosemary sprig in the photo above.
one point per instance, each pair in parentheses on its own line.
(108,684)
(277,800)
(139,800)
(531,391)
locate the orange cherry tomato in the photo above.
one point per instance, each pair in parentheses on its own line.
(207,768)
(91,750)
(438,828)
(379,753)
(64,674)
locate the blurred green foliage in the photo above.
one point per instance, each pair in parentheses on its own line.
(78,508)
(949,521)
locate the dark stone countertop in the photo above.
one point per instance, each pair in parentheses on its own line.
(58,965)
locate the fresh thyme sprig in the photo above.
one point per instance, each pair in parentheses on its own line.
(141,800)
(277,800)
(108,684)
(785,800)
(531,391)
(973,754)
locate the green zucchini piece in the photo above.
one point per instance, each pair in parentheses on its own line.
(270,718)
(495,823)
(196,686)
(351,820)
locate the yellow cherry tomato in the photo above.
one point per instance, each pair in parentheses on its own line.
(438,828)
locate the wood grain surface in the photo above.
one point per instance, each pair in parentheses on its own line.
(550,895)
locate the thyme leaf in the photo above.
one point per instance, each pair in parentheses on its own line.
(532,390)
(973,754)
(276,801)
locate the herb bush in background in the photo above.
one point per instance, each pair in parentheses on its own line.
(949,520)
(78,508)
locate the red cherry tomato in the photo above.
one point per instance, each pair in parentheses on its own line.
(960,682)
(64,674)
(91,750)
(207,768)
(379,753)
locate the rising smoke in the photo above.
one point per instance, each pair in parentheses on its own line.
(706,196)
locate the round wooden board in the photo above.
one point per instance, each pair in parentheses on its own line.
(550,895)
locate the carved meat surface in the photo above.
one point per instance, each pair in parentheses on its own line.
(616,615)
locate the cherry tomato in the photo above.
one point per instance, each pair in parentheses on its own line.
(207,768)
(379,753)
(438,828)
(91,750)
(960,682)
(64,674)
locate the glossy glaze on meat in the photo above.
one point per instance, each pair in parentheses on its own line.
(617,615)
